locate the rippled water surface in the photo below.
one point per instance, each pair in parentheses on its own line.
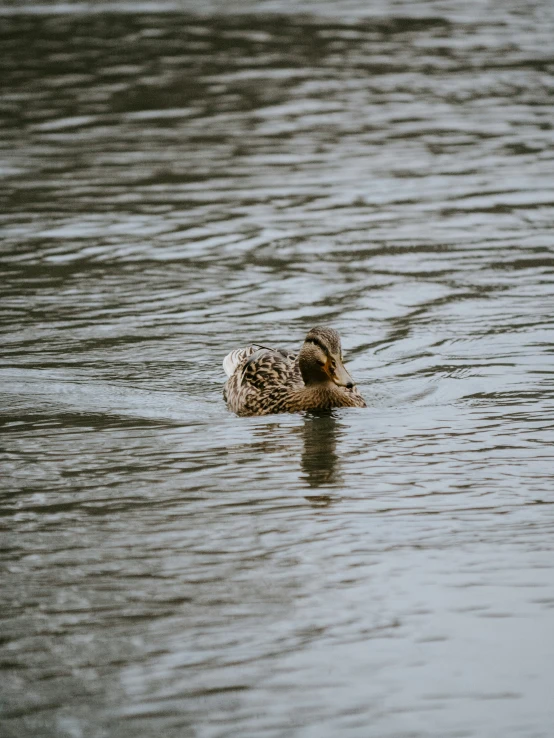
(177,184)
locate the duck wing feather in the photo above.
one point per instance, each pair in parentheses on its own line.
(260,376)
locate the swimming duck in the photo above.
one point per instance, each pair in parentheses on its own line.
(264,380)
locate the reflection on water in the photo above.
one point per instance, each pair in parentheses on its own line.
(320,460)
(175,185)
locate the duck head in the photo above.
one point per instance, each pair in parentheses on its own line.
(320,359)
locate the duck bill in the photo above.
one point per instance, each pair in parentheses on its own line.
(341,376)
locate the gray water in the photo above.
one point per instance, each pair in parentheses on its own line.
(177,184)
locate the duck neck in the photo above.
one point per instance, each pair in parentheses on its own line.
(320,395)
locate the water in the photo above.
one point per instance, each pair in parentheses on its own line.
(178,184)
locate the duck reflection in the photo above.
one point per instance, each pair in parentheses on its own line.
(320,461)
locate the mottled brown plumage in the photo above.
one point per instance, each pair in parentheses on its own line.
(263,380)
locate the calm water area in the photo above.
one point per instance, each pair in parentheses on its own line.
(178,180)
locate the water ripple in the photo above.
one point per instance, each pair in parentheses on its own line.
(178,183)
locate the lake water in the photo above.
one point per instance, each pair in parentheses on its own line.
(176,184)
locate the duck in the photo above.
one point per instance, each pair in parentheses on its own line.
(263,380)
